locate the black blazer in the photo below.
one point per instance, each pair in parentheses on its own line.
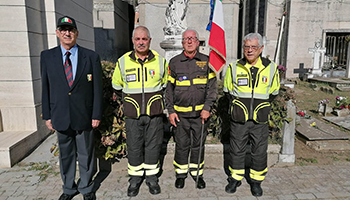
(74,106)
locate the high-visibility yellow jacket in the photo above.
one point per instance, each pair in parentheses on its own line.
(251,88)
(142,83)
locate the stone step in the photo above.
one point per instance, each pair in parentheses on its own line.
(331,145)
(343,89)
(214,157)
(15,145)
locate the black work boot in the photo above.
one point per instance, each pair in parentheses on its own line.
(201,182)
(153,187)
(232,185)
(180,183)
(255,188)
(133,189)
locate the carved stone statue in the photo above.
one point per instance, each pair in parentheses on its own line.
(175,17)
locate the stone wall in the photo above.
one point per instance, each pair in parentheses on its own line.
(113,24)
(310,21)
(274,12)
(21,26)
(26,28)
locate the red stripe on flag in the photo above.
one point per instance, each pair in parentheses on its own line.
(216,61)
(217,39)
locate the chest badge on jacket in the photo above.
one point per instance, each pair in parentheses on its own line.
(242,81)
(89,77)
(264,79)
(201,64)
(182,78)
(152,73)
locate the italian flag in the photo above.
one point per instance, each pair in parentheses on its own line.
(217,56)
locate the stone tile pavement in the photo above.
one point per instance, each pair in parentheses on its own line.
(41,181)
(290,182)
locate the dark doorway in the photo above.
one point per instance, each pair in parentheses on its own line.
(252,18)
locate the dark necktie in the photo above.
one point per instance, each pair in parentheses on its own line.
(68,69)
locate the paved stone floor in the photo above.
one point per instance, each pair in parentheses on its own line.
(37,178)
(288,182)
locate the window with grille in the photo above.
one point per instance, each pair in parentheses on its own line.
(336,50)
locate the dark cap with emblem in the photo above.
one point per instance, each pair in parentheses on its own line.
(66,21)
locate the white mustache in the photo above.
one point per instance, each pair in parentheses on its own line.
(141,45)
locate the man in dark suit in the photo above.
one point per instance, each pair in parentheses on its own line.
(72,105)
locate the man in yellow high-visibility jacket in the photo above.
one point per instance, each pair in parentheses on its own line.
(251,84)
(141,77)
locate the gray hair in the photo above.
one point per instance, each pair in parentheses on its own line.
(190,29)
(253,36)
(143,28)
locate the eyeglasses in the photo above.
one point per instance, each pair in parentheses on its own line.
(189,38)
(65,29)
(254,48)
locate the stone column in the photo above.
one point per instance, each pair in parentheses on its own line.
(347,74)
(287,155)
(0,122)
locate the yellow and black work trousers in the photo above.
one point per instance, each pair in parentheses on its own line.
(240,133)
(187,136)
(144,138)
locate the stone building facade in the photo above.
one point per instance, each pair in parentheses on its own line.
(307,22)
(28,26)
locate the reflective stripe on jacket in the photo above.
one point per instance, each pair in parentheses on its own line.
(142,83)
(251,92)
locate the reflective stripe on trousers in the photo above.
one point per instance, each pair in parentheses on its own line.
(187,130)
(239,135)
(144,140)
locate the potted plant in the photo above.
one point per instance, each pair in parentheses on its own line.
(344,103)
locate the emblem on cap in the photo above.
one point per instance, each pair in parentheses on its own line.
(67,20)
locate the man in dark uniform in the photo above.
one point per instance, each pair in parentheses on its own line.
(190,93)
(72,105)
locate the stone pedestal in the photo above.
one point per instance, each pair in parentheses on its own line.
(172,46)
(317,73)
(324,109)
(289,84)
(287,154)
(341,112)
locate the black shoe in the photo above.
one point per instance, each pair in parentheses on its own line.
(133,189)
(256,189)
(201,183)
(153,187)
(68,196)
(90,196)
(180,183)
(232,185)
